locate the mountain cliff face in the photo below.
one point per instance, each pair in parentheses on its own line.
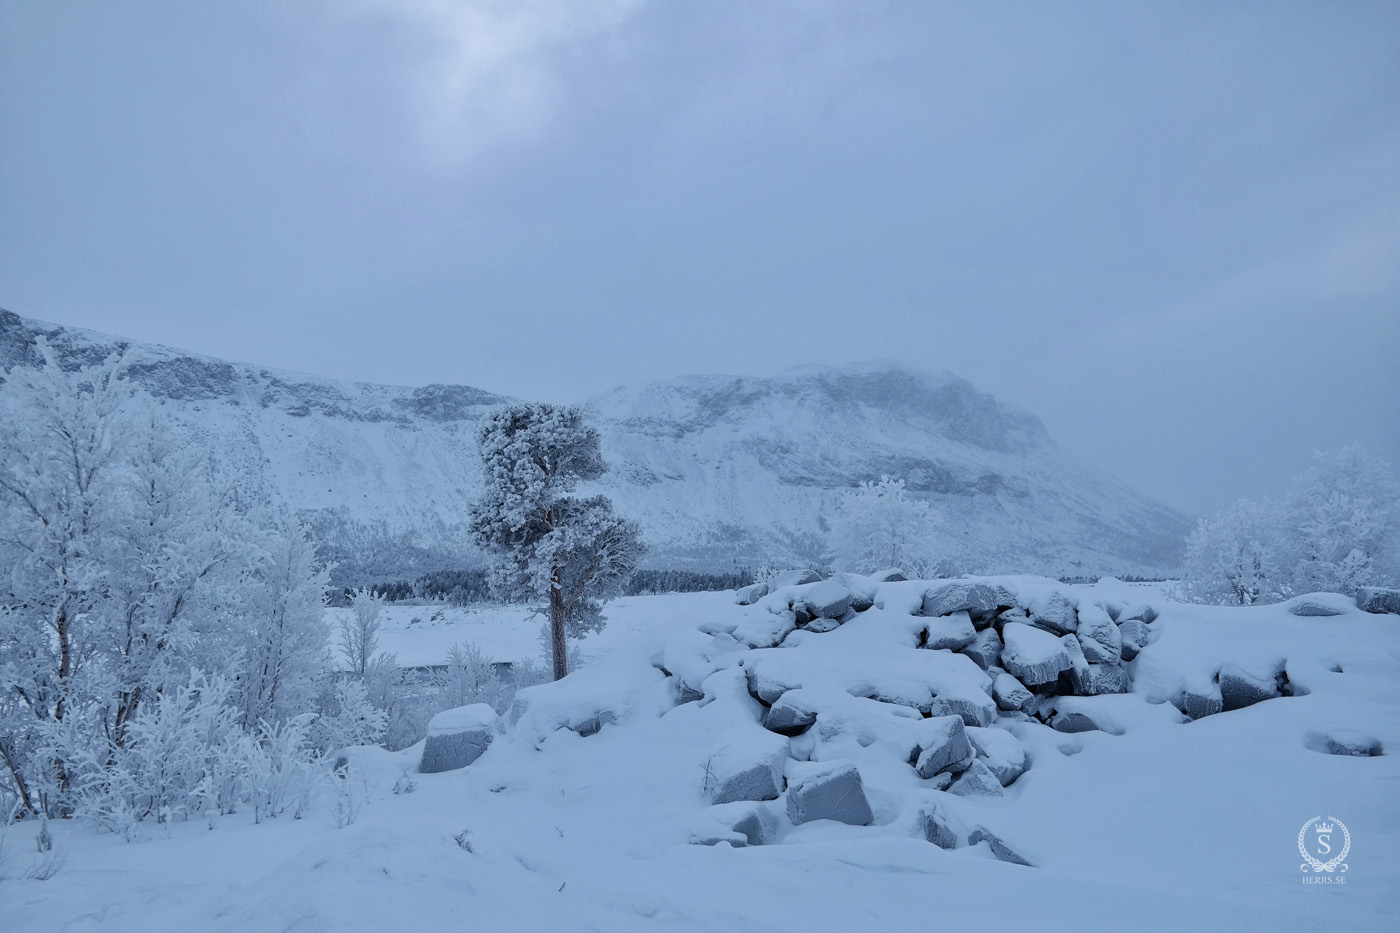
(720,471)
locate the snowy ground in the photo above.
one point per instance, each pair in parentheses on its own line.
(422,636)
(1170,825)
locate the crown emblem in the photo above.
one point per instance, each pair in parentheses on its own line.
(1325,827)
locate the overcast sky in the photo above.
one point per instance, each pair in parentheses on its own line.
(1172,230)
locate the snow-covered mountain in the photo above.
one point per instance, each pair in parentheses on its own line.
(720,471)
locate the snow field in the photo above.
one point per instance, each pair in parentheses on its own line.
(1171,824)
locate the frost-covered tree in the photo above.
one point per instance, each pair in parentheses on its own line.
(285,641)
(548,543)
(359,634)
(1337,530)
(1343,520)
(1239,557)
(880,526)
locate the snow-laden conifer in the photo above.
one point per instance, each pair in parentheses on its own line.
(546,542)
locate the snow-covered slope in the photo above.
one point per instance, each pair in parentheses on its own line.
(1152,822)
(720,471)
(722,466)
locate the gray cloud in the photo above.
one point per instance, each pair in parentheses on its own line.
(1170,230)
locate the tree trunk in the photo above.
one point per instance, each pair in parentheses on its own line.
(556,632)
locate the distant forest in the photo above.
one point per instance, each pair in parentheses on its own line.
(465,587)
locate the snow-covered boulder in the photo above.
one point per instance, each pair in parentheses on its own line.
(1098,636)
(1378,599)
(829,599)
(1199,702)
(748,595)
(750,767)
(821,626)
(863,589)
(829,793)
(794,578)
(944,747)
(1010,694)
(1321,605)
(765,631)
(1239,688)
(1056,612)
(1000,849)
(1078,666)
(981,599)
(457,737)
(758,826)
(1140,612)
(790,715)
(951,632)
(1000,751)
(977,781)
(1108,678)
(973,705)
(985,649)
(1033,656)
(892,575)
(1135,636)
(937,828)
(767,685)
(1345,742)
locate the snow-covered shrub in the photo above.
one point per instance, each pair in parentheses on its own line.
(346,717)
(359,635)
(471,678)
(881,526)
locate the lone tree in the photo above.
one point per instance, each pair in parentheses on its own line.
(547,542)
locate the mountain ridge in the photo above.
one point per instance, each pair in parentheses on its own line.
(721,471)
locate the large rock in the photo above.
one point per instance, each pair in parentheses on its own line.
(863,589)
(1239,688)
(759,826)
(1098,636)
(1135,636)
(793,578)
(1079,682)
(1010,694)
(1108,678)
(765,631)
(944,747)
(831,794)
(999,848)
(1378,599)
(1138,611)
(1032,656)
(748,771)
(977,781)
(951,632)
(980,599)
(828,599)
(748,595)
(788,716)
(937,828)
(971,704)
(985,649)
(1000,751)
(457,737)
(1202,702)
(1055,612)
